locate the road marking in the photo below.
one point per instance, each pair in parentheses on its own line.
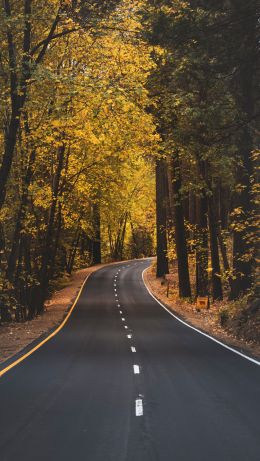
(120,312)
(123,319)
(139,407)
(133,349)
(116,295)
(54,333)
(136,369)
(256,362)
(118,305)
(129,336)
(126,327)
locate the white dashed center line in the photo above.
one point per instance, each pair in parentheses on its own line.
(139,411)
(136,369)
(139,407)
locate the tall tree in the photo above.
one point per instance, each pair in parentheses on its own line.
(180,231)
(161,218)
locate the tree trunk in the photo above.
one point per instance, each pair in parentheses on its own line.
(97,234)
(224,206)
(201,238)
(180,232)
(47,251)
(20,218)
(216,272)
(245,92)
(161,219)
(74,250)
(56,241)
(10,142)
(223,250)
(17,100)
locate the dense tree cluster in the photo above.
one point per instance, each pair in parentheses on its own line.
(207,95)
(75,142)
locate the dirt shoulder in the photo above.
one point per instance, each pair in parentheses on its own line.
(205,320)
(16,336)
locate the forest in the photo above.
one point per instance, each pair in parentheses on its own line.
(128,129)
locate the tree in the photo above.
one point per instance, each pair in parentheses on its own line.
(161,219)
(83,133)
(206,84)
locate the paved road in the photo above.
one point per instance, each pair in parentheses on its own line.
(119,356)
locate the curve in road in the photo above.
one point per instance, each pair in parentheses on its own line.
(123,381)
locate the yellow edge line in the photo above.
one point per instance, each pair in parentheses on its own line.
(21,359)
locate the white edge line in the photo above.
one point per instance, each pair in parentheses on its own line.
(256,362)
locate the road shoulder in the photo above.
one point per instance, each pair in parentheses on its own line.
(206,322)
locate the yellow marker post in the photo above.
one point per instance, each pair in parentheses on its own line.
(202,302)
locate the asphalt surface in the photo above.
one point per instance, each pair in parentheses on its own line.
(79,396)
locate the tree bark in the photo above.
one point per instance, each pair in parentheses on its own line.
(17,100)
(47,251)
(245,92)
(97,234)
(161,219)
(180,232)
(217,292)
(201,238)
(20,218)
